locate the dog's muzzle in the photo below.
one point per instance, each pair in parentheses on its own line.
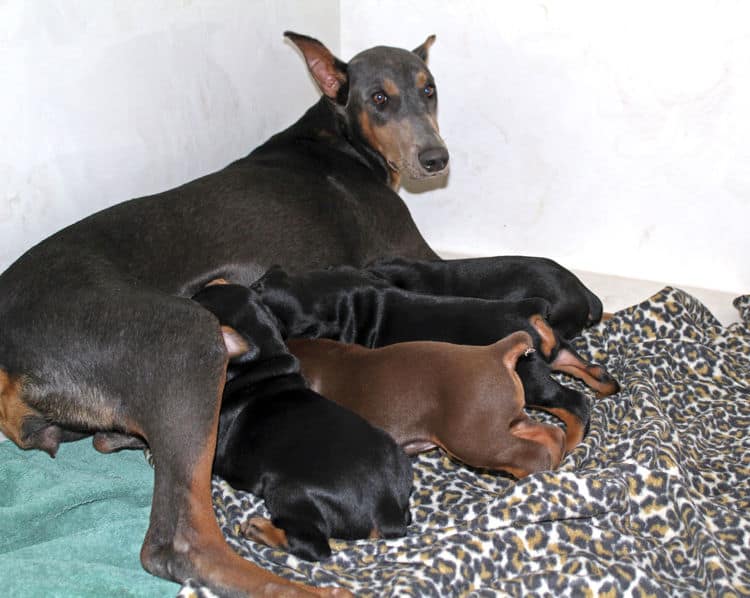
(434,160)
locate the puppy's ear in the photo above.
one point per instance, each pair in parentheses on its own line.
(235,343)
(423,51)
(327,70)
(513,346)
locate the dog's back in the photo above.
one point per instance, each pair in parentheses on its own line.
(466,399)
(412,387)
(233,224)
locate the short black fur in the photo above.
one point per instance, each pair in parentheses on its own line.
(322,470)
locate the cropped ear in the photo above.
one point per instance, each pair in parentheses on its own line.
(235,343)
(327,70)
(423,51)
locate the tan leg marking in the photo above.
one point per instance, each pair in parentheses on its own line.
(214,561)
(13,411)
(592,375)
(262,530)
(550,436)
(574,426)
(548,340)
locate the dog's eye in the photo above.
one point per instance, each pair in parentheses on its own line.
(429,90)
(379,98)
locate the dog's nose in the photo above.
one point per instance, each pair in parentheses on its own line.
(434,159)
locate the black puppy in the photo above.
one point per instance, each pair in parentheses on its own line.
(507,278)
(322,470)
(362,306)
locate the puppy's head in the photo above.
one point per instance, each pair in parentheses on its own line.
(247,326)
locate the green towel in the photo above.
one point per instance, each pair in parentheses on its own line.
(73,526)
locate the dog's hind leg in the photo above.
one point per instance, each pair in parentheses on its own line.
(568,361)
(184,540)
(549,436)
(524,448)
(564,358)
(299,535)
(567,404)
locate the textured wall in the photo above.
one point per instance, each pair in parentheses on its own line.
(103,100)
(614,136)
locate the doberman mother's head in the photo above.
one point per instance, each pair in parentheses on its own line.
(388,99)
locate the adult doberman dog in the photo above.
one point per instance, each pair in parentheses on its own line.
(97,331)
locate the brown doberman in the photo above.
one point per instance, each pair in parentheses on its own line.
(468,400)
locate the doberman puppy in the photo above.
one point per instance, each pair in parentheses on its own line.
(322,470)
(92,317)
(508,278)
(358,306)
(468,400)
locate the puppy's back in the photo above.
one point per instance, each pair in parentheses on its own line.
(322,470)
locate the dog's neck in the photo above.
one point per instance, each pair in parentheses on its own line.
(326,125)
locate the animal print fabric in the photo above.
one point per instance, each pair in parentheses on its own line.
(654,502)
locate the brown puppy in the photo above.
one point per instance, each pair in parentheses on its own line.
(468,400)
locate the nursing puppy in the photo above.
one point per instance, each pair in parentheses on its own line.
(572,306)
(364,307)
(468,400)
(322,470)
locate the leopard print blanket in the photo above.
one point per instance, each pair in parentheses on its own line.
(655,501)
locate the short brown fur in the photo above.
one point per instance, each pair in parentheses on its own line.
(390,140)
(466,399)
(390,88)
(262,530)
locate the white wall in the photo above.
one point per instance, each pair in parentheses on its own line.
(613,136)
(104,100)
